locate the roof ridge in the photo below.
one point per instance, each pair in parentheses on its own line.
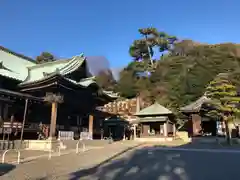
(17,54)
(88,78)
(74,63)
(56,62)
(48,63)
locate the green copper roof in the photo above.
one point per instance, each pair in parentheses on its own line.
(155,109)
(25,69)
(62,67)
(87,81)
(111,94)
(84,82)
(14,65)
(91,80)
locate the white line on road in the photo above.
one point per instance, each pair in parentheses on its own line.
(195,150)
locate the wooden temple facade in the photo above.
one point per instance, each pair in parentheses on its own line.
(62,95)
(197,124)
(122,117)
(155,122)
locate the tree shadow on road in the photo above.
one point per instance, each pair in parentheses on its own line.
(5,168)
(139,164)
(156,164)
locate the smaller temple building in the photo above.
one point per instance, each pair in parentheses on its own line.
(156,122)
(198,124)
(120,123)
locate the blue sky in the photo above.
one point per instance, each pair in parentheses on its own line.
(108,27)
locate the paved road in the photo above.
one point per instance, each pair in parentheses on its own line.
(155,163)
(62,167)
(159,164)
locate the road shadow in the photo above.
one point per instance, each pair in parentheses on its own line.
(152,163)
(5,168)
(94,169)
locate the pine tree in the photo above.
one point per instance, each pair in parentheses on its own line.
(224,101)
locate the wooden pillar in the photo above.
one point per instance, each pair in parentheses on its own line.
(90,124)
(174,130)
(1,111)
(134,132)
(165,129)
(5,112)
(53,120)
(124,130)
(78,123)
(24,120)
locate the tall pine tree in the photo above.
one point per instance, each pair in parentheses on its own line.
(224,101)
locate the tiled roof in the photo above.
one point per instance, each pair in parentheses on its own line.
(195,106)
(85,82)
(155,109)
(62,67)
(17,54)
(111,94)
(14,65)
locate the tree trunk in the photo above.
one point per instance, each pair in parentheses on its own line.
(228,135)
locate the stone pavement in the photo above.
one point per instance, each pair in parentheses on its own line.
(59,167)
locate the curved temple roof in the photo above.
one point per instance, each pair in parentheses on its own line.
(25,70)
(44,71)
(62,67)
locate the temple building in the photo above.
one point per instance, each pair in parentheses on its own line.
(156,122)
(61,94)
(121,116)
(198,124)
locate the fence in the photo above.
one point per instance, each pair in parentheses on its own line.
(83,146)
(18,155)
(86,136)
(66,135)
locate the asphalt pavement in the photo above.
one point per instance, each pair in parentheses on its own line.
(160,164)
(121,161)
(62,167)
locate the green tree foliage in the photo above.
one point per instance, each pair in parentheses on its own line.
(224,100)
(182,74)
(45,57)
(106,80)
(142,49)
(126,84)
